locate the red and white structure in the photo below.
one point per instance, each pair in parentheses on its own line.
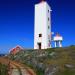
(42,26)
(16,49)
(58,40)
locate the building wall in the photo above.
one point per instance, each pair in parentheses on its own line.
(41,25)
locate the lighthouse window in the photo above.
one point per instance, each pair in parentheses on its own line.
(48,18)
(48,11)
(40,35)
(48,27)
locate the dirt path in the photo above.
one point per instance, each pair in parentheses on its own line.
(16,68)
(15,72)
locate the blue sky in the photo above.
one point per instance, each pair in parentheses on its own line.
(17,22)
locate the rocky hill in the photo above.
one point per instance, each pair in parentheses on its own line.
(54,61)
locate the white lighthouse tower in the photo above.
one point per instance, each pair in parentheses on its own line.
(42,26)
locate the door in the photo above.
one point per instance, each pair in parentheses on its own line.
(39,45)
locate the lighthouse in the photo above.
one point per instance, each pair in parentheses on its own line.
(42,26)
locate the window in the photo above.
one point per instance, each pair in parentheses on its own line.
(49,41)
(48,11)
(48,18)
(48,27)
(40,35)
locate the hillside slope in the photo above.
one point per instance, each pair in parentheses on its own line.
(55,61)
(14,68)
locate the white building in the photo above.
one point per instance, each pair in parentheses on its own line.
(42,27)
(58,40)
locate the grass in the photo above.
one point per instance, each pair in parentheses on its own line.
(61,57)
(3,69)
(66,72)
(39,72)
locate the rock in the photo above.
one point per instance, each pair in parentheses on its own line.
(70,66)
(51,54)
(41,66)
(51,70)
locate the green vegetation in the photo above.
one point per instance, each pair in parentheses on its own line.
(54,61)
(39,72)
(3,69)
(66,72)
